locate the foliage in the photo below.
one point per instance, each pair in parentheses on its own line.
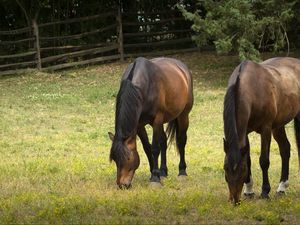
(242,26)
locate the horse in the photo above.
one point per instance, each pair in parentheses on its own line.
(153,92)
(261,97)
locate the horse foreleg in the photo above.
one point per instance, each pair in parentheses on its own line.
(248,191)
(264,161)
(146,145)
(163,156)
(156,140)
(284,148)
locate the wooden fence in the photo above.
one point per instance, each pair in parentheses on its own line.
(93,39)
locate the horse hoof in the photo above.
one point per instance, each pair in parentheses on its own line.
(237,203)
(264,196)
(163,173)
(181,178)
(182,173)
(155,185)
(249,195)
(280,193)
(155,179)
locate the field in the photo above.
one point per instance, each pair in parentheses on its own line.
(54,150)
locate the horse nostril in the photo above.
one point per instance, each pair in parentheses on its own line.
(236,203)
(124,186)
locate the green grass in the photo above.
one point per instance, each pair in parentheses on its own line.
(54,149)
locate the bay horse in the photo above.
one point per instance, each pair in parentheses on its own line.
(154,92)
(261,97)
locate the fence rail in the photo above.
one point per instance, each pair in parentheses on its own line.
(16,42)
(93,39)
(17,55)
(81,19)
(16,31)
(155,33)
(78,36)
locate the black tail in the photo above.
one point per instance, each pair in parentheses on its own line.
(297,136)
(171,131)
(131,71)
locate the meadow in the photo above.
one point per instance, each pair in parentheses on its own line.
(54,155)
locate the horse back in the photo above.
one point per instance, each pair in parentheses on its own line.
(166,85)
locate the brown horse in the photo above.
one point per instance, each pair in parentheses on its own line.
(262,98)
(152,92)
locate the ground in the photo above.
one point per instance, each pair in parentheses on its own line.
(54,147)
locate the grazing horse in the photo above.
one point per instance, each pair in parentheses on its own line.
(154,92)
(261,97)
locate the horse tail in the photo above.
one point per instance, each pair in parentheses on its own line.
(230,127)
(130,76)
(171,130)
(297,136)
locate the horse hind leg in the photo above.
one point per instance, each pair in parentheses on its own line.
(158,134)
(181,138)
(264,161)
(297,136)
(284,148)
(163,155)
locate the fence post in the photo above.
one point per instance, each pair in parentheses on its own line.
(120,34)
(37,44)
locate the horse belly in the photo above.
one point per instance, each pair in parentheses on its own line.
(173,110)
(287,109)
(175,100)
(274,118)
(284,118)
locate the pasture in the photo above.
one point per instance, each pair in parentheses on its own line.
(54,147)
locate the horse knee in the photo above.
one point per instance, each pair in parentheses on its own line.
(155,152)
(264,163)
(163,145)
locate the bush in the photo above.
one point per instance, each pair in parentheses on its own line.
(242,26)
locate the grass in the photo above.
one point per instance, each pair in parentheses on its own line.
(54,148)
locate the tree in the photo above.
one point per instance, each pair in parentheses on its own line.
(243,26)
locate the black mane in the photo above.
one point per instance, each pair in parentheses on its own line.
(128,110)
(229,117)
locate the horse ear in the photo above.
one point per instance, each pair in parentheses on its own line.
(225,145)
(111,136)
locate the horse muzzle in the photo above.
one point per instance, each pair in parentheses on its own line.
(124,186)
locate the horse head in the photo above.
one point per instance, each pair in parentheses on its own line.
(236,171)
(127,159)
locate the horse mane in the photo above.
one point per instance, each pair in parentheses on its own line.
(128,110)
(229,117)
